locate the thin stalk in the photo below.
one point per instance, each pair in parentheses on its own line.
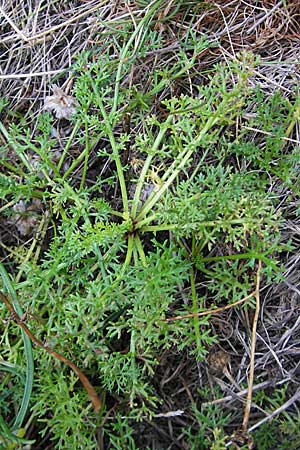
(130,245)
(29,253)
(139,247)
(165,176)
(26,163)
(68,144)
(139,186)
(250,255)
(148,205)
(78,160)
(50,165)
(100,262)
(11,440)
(4,131)
(135,256)
(117,213)
(173,166)
(252,354)
(163,227)
(7,205)
(16,170)
(200,246)
(133,363)
(195,308)
(150,202)
(146,166)
(210,311)
(115,151)
(86,158)
(141,225)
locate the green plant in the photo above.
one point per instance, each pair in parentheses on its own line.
(113,268)
(15,433)
(282,431)
(210,426)
(120,434)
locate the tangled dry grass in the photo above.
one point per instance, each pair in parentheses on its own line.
(39,41)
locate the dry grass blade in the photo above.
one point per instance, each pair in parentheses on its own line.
(11,23)
(211,311)
(241,393)
(279,410)
(252,358)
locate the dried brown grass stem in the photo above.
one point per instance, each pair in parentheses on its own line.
(252,357)
(211,311)
(83,378)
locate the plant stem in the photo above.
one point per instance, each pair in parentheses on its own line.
(68,144)
(180,163)
(114,147)
(146,166)
(195,302)
(78,160)
(130,245)
(250,255)
(140,250)
(86,158)
(195,305)
(252,355)
(163,227)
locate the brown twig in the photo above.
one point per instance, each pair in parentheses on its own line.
(253,344)
(210,311)
(84,380)
(236,395)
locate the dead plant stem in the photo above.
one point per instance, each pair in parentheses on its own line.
(211,311)
(84,380)
(252,356)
